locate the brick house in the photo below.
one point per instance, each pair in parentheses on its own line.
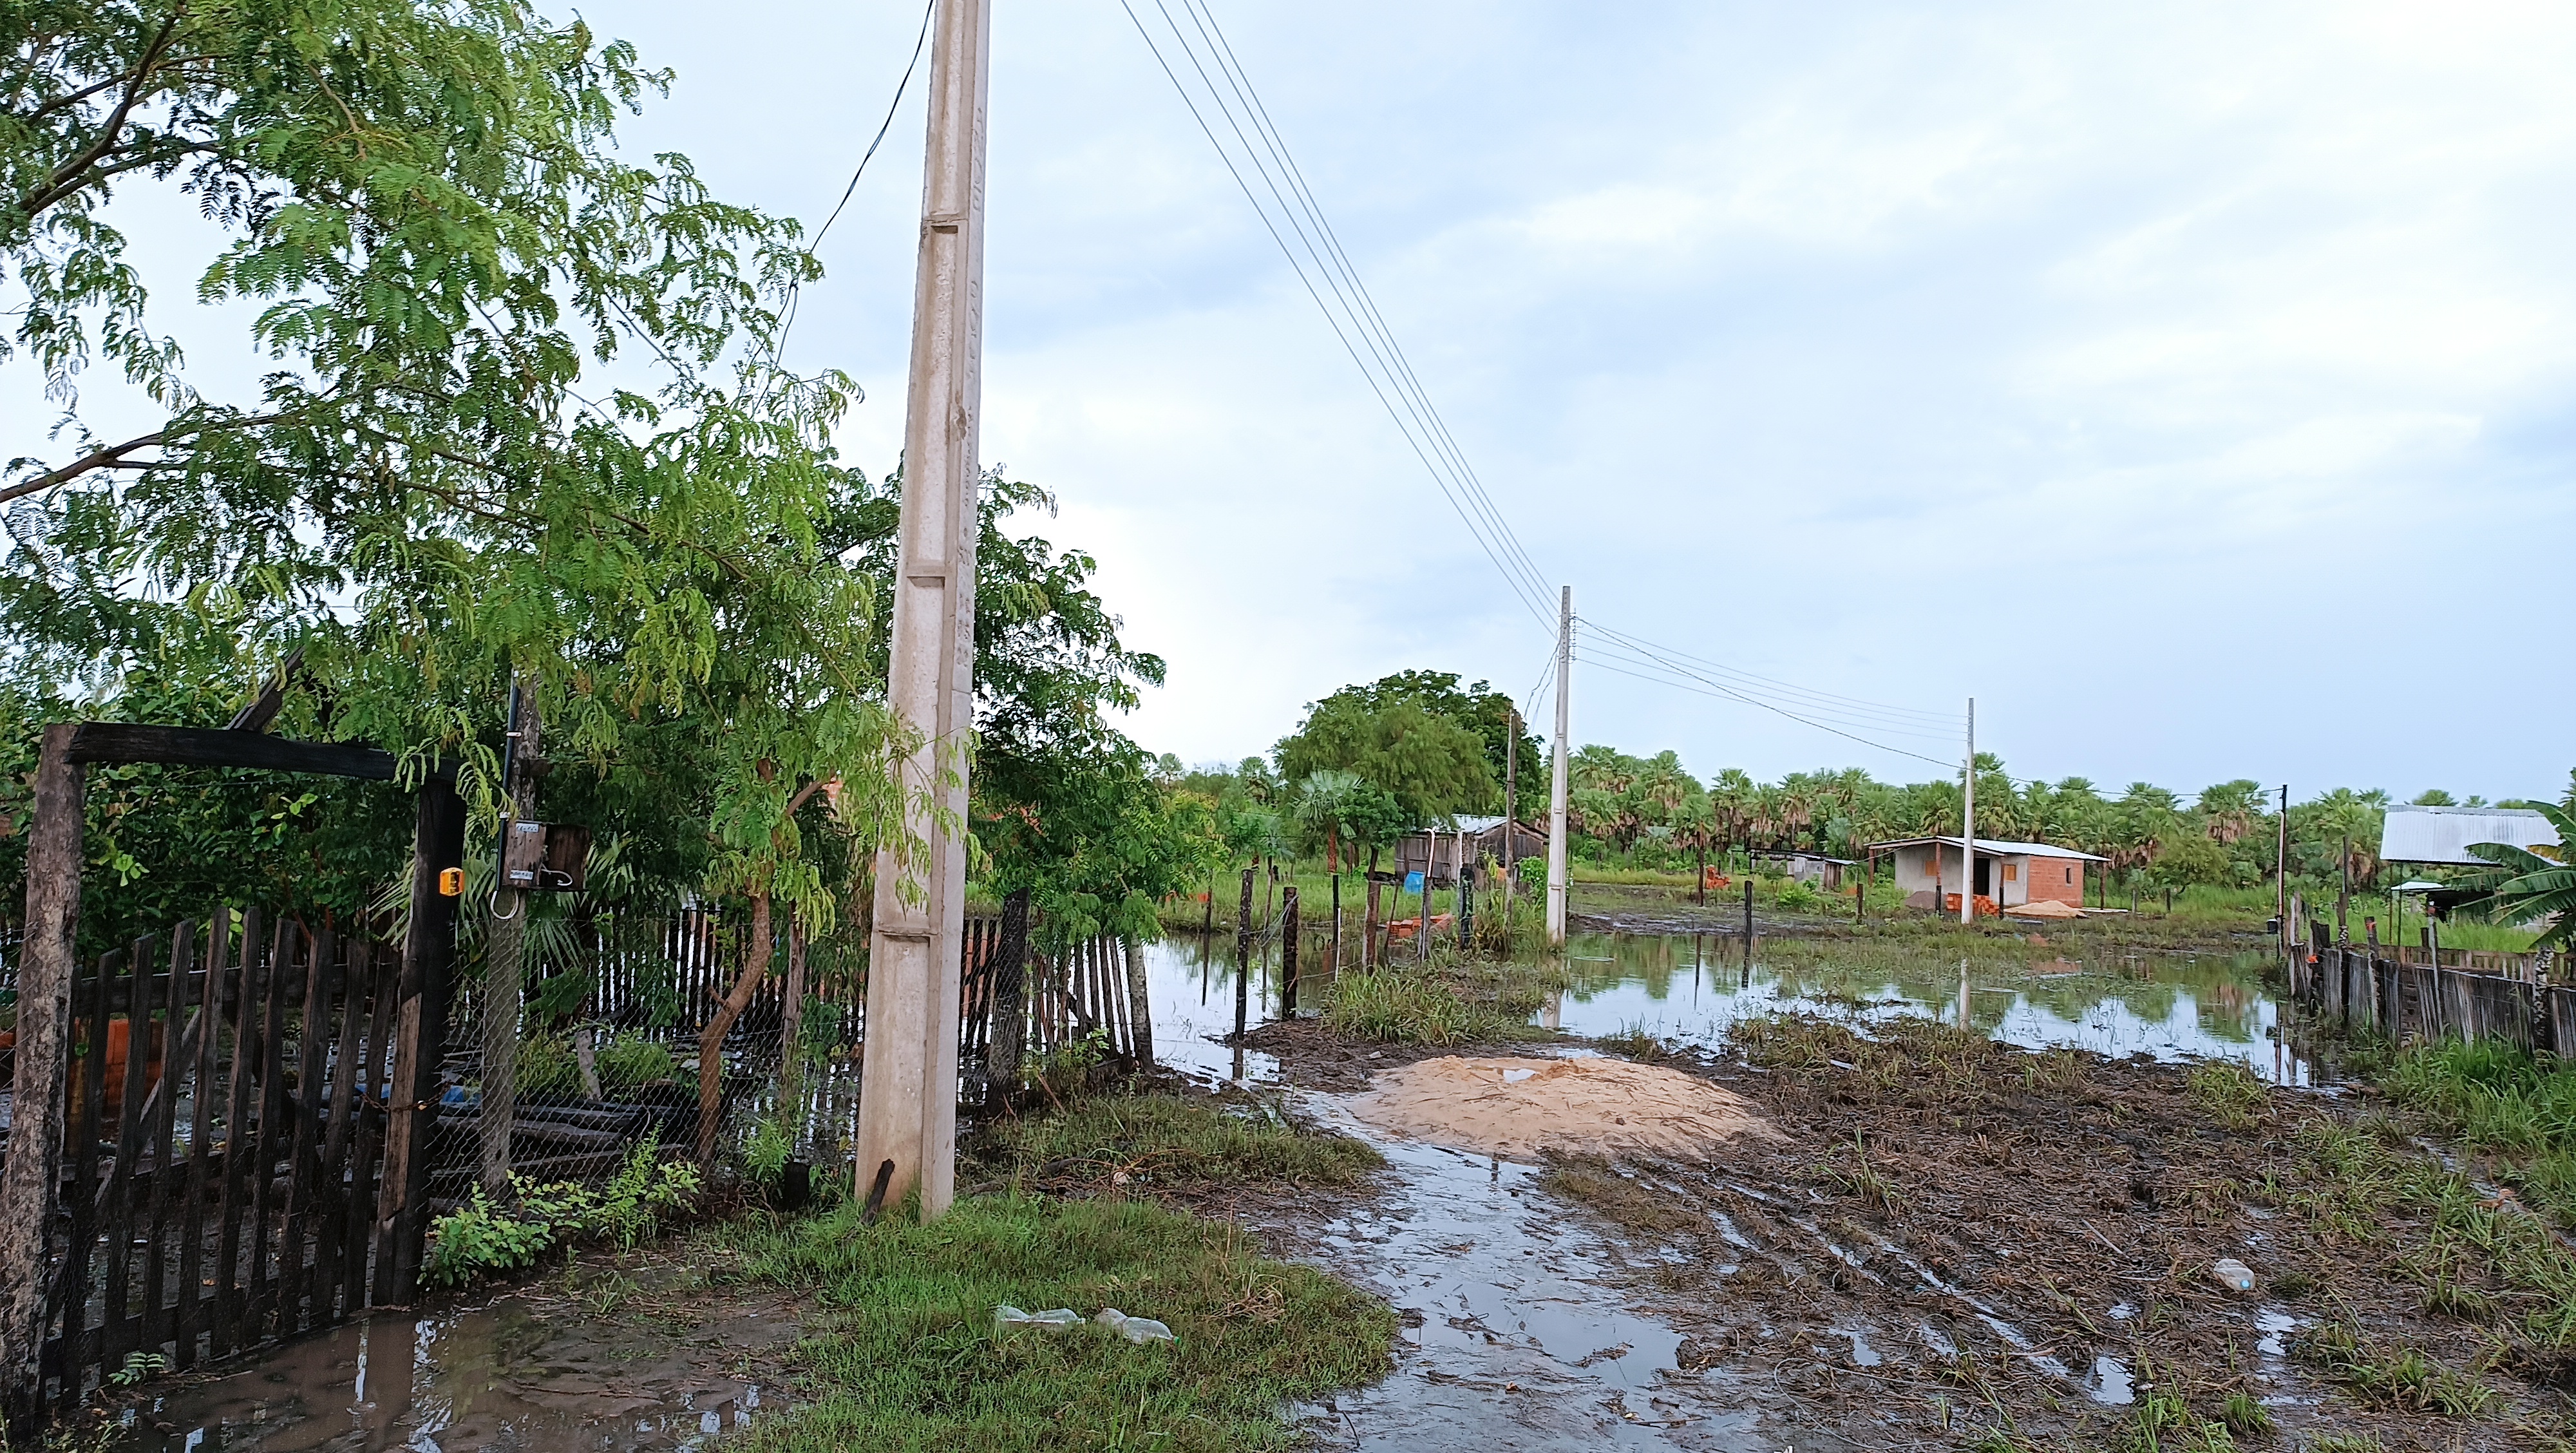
(2009,873)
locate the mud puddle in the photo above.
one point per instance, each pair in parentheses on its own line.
(1516,1341)
(621,1366)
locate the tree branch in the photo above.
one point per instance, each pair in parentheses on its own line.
(67,177)
(114,454)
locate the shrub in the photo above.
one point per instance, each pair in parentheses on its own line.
(547,1067)
(635,1062)
(482,1239)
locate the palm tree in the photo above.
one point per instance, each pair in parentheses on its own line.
(1730,796)
(2228,810)
(2531,885)
(1324,803)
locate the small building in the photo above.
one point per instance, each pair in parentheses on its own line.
(1816,868)
(1928,869)
(1471,841)
(2445,834)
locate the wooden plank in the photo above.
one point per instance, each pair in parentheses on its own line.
(79,1338)
(190,1315)
(176,1061)
(119,1220)
(224,1316)
(265,1262)
(105,741)
(420,1036)
(331,1203)
(367,1131)
(303,1176)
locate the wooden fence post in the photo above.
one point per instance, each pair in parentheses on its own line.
(1010,1001)
(420,1039)
(45,967)
(1288,951)
(1243,959)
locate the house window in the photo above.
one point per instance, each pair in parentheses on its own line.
(2012,872)
(2070,873)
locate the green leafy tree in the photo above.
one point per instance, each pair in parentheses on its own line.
(1433,766)
(2186,859)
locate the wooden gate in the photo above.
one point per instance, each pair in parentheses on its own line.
(255,1231)
(224,1138)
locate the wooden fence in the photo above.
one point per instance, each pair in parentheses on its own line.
(226,1180)
(2419,994)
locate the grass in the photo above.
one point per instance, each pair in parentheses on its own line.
(2501,1099)
(906,1353)
(1160,1141)
(1419,1004)
(910,1356)
(2233,1095)
(2403,1378)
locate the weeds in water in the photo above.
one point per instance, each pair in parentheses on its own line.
(1415,1005)
(2233,1095)
(2245,1416)
(2402,1379)
(1637,1041)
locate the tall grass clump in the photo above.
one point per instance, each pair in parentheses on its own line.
(1414,1004)
(1162,1141)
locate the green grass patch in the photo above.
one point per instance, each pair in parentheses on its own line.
(1413,1004)
(2233,1095)
(907,1355)
(2402,1378)
(1161,1142)
(2499,1098)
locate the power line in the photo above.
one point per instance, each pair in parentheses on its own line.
(1353,314)
(795,290)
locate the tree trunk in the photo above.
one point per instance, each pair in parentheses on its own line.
(755,964)
(28,1186)
(791,1028)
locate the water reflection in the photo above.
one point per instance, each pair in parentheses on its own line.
(1678,986)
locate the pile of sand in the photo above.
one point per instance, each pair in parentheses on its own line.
(1518,1107)
(2044,908)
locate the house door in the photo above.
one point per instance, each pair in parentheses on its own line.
(1986,876)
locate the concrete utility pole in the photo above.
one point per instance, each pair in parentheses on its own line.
(2281,869)
(1511,806)
(1968,827)
(1556,787)
(908,1095)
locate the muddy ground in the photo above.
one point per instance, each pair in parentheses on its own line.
(1964,1244)
(655,1350)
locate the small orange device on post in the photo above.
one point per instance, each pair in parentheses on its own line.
(451,882)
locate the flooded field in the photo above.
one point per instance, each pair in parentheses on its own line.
(1693,989)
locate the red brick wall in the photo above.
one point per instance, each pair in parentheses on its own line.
(2049,878)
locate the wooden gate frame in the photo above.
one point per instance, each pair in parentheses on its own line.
(31,1185)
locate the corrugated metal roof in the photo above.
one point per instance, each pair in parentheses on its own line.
(2444,834)
(1998,847)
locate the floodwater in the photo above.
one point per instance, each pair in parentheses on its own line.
(1521,1340)
(1694,988)
(523,1371)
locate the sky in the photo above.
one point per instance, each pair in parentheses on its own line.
(2191,385)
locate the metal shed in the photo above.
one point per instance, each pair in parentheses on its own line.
(2445,834)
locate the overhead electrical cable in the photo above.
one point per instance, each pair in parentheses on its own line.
(1325,270)
(1482,522)
(795,290)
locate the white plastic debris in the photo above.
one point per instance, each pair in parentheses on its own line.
(1139,1330)
(2232,1274)
(1007,1315)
